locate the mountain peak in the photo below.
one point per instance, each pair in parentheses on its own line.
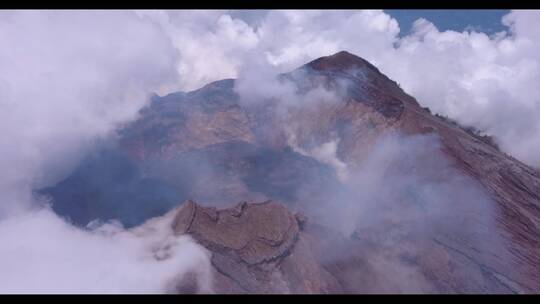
(340,61)
(208,146)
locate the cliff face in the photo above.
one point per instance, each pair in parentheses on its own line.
(413,233)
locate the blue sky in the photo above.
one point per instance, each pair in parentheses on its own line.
(484,20)
(488,21)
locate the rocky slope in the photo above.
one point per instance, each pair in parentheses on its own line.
(452,214)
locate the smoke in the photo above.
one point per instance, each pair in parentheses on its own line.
(326,153)
(485,81)
(410,171)
(396,207)
(69,79)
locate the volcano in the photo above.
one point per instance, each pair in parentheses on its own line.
(336,182)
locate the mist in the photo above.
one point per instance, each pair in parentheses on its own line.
(69,79)
(88,74)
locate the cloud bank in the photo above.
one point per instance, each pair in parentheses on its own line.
(68,79)
(485,81)
(43,254)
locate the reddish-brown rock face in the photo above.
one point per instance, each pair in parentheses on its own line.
(256,248)
(292,152)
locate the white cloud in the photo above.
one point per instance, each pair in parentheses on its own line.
(486,81)
(42,254)
(69,78)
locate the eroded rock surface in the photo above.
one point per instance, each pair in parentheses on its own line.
(256,248)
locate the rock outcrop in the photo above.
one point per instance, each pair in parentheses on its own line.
(256,248)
